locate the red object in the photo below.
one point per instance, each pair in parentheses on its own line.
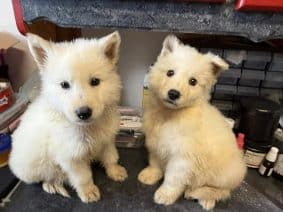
(6,96)
(204,1)
(19,16)
(260,5)
(241,141)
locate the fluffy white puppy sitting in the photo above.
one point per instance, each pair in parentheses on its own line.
(74,120)
(188,140)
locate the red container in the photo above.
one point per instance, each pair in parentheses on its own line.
(260,5)
(204,1)
(6,95)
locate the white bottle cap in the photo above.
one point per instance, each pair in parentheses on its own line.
(231,122)
(272,154)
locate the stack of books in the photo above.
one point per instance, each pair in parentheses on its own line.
(130,134)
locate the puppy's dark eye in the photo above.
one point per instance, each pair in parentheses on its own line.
(193,81)
(65,85)
(170,73)
(94,82)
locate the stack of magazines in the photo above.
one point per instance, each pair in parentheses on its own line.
(10,118)
(130,134)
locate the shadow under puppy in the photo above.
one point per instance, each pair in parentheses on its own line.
(74,119)
(188,140)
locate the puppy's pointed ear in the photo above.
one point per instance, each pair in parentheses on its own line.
(218,64)
(111,45)
(169,44)
(38,48)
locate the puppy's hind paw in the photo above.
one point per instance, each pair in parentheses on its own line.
(207,204)
(116,172)
(89,193)
(53,188)
(150,176)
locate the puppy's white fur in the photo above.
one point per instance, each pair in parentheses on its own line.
(52,145)
(188,140)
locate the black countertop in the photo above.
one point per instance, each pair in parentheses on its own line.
(7,181)
(158,15)
(255,194)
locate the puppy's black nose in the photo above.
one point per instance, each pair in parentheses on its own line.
(173,94)
(84,113)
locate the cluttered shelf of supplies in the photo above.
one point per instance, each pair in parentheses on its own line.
(256,192)
(173,16)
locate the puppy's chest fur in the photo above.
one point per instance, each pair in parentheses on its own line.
(172,133)
(79,142)
(172,141)
(82,142)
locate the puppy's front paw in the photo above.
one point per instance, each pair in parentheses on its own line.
(89,193)
(165,196)
(53,188)
(207,204)
(150,175)
(117,172)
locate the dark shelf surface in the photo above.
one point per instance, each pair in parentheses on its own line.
(7,181)
(133,196)
(172,16)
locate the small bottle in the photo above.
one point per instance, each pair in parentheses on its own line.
(278,166)
(267,164)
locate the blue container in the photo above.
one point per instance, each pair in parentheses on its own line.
(5,146)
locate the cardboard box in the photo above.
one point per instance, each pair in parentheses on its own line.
(277,62)
(248,91)
(271,84)
(248,82)
(253,74)
(226,89)
(274,76)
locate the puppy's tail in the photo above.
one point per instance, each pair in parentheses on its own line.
(208,193)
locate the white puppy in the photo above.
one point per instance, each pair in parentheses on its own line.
(74,120)
(188,140)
